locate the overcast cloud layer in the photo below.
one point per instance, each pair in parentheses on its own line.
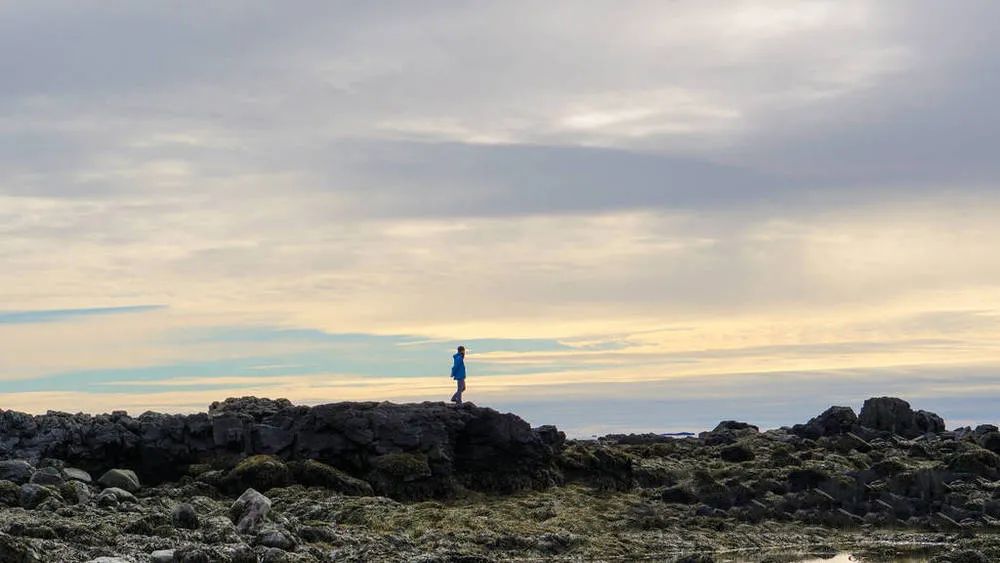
(320,199)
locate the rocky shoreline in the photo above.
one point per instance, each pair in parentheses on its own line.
(264,480)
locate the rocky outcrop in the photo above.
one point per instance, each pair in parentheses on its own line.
(879,415)
(890,414)
(444,447)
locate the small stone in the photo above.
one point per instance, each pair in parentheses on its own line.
(121,478)
(184,517)
(162,556)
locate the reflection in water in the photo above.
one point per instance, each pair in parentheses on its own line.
(850,558)
(918,556)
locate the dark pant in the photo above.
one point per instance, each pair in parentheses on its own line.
(457,397)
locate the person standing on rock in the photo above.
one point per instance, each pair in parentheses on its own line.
(458,374)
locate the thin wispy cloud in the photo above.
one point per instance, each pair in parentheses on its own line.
(56,315)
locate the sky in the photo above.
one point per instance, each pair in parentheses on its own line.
(638,216)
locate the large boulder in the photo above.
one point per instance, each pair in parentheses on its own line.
(890,414)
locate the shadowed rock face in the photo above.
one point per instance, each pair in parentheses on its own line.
(475,447)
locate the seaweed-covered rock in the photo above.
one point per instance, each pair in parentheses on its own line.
(312,473)
(261,472)
(599,466)
(404,475)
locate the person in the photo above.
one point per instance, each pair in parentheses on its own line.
(458,374)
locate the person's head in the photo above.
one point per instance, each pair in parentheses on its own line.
(461,350)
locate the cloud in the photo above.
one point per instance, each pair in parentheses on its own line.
(56,315)
(350,190)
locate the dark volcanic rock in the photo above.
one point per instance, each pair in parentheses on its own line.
(478,448)
(831,422)
(890,414)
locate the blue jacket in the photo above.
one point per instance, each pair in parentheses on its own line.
(458,370)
